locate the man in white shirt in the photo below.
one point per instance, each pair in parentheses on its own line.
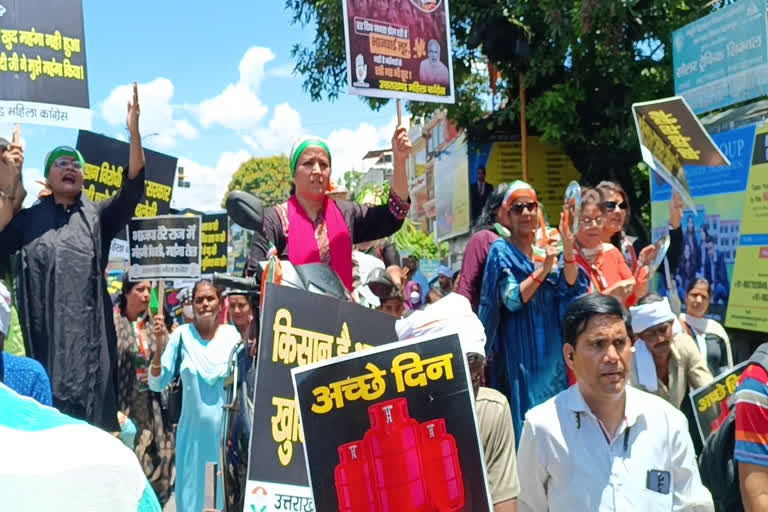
(602,445)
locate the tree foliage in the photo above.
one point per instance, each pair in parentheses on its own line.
(589,61)
(352,181)
(268,178)
(418,244)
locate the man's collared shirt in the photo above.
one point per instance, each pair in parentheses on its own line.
(567,463)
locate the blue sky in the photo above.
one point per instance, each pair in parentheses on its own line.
(216,85)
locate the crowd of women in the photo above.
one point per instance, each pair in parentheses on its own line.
(518,274)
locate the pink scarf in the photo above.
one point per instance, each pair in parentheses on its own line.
(302,244)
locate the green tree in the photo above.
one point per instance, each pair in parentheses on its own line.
(352,181)
(589,61)
(267,178)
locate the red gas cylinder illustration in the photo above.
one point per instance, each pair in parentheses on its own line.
(394,456)
(353,479)
(442,468)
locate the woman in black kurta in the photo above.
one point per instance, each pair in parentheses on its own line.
(64,307)
(311,169)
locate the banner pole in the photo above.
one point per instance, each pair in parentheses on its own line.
(523,128)
(160,297)
(399,112)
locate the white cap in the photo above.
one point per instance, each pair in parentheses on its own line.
(5,309)
(450,315)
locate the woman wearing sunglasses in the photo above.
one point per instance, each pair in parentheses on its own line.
(617,215)
(64,242)
(522,305)
(602,262)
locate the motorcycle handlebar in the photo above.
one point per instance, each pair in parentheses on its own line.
(240,283)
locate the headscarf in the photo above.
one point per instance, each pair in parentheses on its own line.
(408,302)
(57,153)
(516,189)
(451,315)
(645,317)
(303,143)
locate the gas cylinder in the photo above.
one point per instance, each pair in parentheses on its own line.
(442,468)
(392,445)
(352,477)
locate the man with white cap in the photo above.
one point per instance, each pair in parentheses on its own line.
(668,362)
(22,374)
(453,314)
(601,445)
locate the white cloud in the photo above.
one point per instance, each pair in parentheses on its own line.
(207,185)
(238,107)
(283,129)
(158,123)
(348,146)
(31,176)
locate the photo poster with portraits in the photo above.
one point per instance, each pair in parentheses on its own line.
(399,49)
(393,428)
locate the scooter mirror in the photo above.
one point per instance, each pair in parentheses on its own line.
(245,210)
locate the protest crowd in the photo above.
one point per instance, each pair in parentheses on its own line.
(587,359)
(580,374)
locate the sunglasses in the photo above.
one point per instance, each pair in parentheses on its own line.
(63,163)
(519,208)
(611,205)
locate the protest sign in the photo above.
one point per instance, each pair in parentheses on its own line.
(106,166)
(215,230)
(164,247)
(722,58)
(43,77)
(392,429)
(711,402)
(399,49)
(672,137)
(297,328)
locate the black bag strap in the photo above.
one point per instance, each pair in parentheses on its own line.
(177,373)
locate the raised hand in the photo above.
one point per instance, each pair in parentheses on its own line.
(401,144)
(676,207)
(132,118)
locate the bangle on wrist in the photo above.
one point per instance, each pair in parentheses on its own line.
(567,261)
(534,279)
(153,365)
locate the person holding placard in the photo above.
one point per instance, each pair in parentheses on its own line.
(313,228)
(198,353)
(64,242)
(136,343)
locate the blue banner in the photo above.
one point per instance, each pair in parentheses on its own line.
(722,58)
(737,146)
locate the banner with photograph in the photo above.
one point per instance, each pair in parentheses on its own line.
(725,239)
(297,328)
(550,169)
(399,49)
(393,429)
(43,76)
(164,247)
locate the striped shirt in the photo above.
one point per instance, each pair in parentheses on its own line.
(752,417)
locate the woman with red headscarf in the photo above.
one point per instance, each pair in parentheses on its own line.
(313,228)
